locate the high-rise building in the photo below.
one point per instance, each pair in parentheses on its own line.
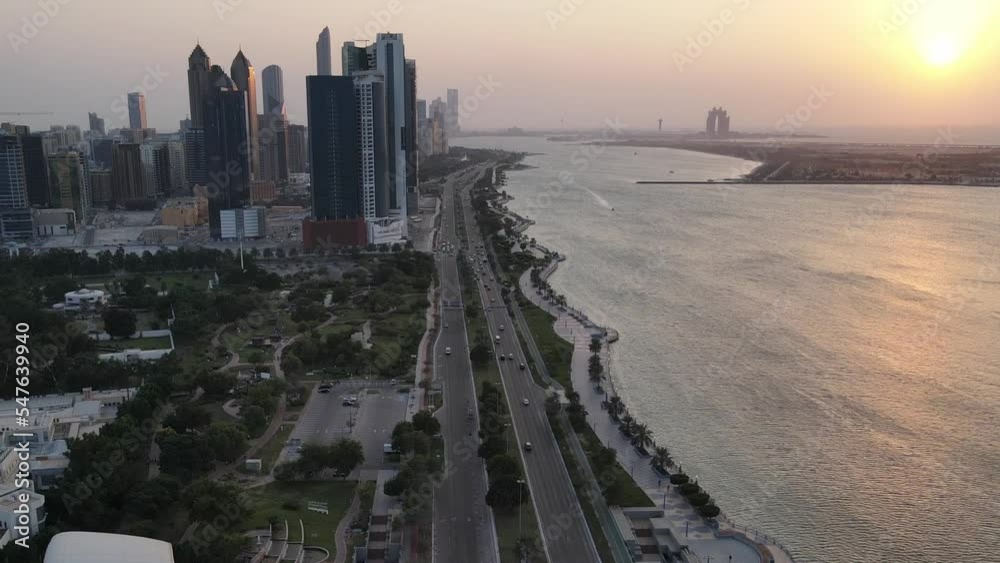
(184,124)
(100,152)
(297,149)
(100,187)
(387,57)
(36,168)
(178,168)
(245,77)
(390,61)
(70,183)
(334,152)
(158,169)
(369,96)
(273,86)
(410,136)
(136,136)
(274,147)
(324,64)
(717,123)
(15,215)
(242,223)
(96,123)
(451,117)
(438,125)
(199,81)
(136,110)
(226,134)
(127,176)
(195,158)
(421,110)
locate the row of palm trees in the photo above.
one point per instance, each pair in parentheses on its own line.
(639,434)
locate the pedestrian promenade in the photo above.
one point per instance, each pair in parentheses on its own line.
(684,522)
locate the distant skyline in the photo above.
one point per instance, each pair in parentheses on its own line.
(882,66)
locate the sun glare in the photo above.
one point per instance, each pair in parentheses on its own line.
(941,51)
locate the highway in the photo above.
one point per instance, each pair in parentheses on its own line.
(565,535)
(463,528)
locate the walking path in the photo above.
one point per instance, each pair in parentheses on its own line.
(340,536)
(573,326)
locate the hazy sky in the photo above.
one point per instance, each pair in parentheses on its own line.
(889,63)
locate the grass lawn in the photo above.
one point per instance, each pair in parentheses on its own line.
(289,501)
(269,453)
(556,352)
(215,409)
(508,530)
(629,493)
(148,343)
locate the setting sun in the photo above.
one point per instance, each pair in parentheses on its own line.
(941,50)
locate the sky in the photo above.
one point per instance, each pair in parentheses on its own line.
(535,64)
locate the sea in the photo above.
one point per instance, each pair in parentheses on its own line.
(824,358)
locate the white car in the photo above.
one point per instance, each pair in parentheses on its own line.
(447,351)
(525,401)
(510,357)
(501,327)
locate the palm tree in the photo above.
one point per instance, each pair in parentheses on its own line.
(597,377)
(616,406)
(628,423)
(642,436)
(661,458)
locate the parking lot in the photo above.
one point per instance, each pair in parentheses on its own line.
(326,418)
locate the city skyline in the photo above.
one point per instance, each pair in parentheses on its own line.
(920,69)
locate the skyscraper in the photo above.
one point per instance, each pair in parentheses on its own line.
(15,215)
(36,169)
(136,110)
(410,136)
(70,186)
(334,152)
(226,134)
(451,117)
(297,148)
(127,178)
(245,77)
(369,95)
(274,89)
(199,78)
(324,64)
(96,123)
(390,61)
(356,59)
(195,159)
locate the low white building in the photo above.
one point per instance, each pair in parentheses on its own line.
(242,223)
(73,300)
(10,505)
(93,547)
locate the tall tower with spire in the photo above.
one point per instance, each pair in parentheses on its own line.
(324,64)
(199,68)
(243,74)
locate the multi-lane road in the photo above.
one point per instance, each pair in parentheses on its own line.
(565,535)
(464,529)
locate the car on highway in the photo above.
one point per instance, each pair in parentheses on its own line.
(350,401)
(446,325)
(325,387)
(525,402)
(527,446)
(501,327)
(447,351)
(502,357)
(521,365)
(510,357)
(498,338)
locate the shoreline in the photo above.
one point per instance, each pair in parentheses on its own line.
(723,527)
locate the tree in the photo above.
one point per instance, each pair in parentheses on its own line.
(491,446)
(480,353)
(709,511)
(396,486)
(616,407)
(228,439)
(215,384)
(503,465)
(661,459)
(184,455)
(425,422)
(506,493)
(255,420)
(346,454)
(642,436)
(595,345)
(628,423)
(119,323)
(56,288)
(188,416)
